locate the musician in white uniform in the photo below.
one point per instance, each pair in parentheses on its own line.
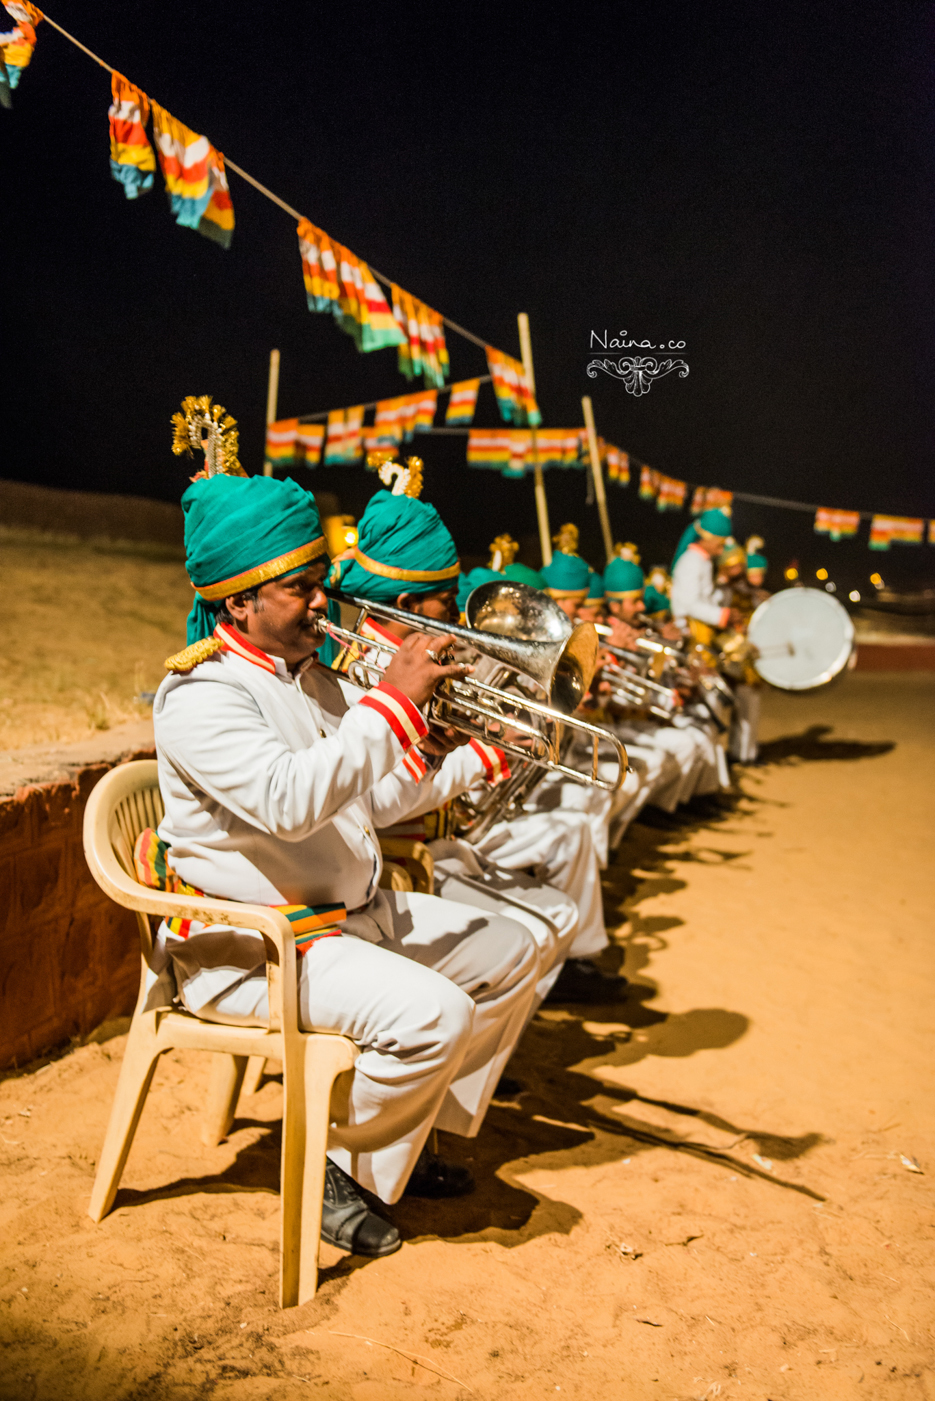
(695,756)
(399,535)
(275,774)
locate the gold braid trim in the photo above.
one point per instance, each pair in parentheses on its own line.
(191,656)
(627,593)
(568,593)
(415,576)
(263,572)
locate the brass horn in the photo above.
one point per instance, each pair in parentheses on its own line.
(532,671)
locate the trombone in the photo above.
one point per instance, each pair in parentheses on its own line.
(532,671)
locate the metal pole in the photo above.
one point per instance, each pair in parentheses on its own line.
(542,506)
(597,476)
(272,400)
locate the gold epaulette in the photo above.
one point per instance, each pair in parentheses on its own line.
(190,657)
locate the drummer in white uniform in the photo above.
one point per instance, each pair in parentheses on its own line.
(275,774)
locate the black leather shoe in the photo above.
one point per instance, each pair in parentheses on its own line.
(348,1222)
(582,981)
(433,1176)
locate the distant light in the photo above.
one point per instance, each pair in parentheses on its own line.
(792,572)
(350,537)
(854,596)
(876,581)
(831,586)
(821,573)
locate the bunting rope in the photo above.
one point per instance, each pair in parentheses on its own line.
(266,192)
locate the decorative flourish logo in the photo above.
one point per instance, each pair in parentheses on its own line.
(638,372)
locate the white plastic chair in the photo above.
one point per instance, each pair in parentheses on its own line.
(317,1067)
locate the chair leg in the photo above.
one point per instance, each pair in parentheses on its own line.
(256,1065)
(136,1074)
(226,1079)
(306,1120)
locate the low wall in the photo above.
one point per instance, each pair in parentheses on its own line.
(69,957)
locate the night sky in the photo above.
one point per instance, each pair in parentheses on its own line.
(756,180)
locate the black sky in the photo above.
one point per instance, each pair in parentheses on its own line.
(756,180)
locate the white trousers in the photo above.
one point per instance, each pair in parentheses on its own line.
(745,727)
(436,1008)
(463,874)
(693,768)
(558,846)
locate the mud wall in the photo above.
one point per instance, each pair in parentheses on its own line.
(69,957)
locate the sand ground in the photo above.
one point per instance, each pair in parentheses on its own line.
(86,627)
(705,1192)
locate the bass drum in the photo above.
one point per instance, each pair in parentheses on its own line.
(804,639)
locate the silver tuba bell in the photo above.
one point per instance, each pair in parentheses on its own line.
(531,671)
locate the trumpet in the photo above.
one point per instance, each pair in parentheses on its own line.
(524,687)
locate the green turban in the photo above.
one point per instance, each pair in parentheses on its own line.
(471,581)
(596,587)
(757,562)
(654,601)
(713,522)
(402,547)
(622,578)
(522,574)
(567,576)
(241,532)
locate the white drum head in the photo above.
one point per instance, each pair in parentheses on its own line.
(804,638)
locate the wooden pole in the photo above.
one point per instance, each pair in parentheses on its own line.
(542,506)
(598,478)
(272,400)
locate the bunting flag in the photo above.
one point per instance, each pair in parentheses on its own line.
(649,483)
(489,448)
(387,430)
(132,159)
(217,222)
(462,403)
(671,493)
(558,447)
(337,281)
(422,349)
(409,352)
(515,399)
(711,498)
(308,440)
(344,445)
(319,267)
(520,453)
(906,530)
(281,442)
(425,407)
(836,524)
(16,46)
(183,155)
(618,465)
(362,309)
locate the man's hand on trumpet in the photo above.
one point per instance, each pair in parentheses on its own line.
(416,669)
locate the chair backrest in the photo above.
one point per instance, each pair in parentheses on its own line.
(123,804)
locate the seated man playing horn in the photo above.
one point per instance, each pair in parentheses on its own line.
(406,558)
(276,773)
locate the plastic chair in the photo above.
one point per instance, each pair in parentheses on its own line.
(317,1066)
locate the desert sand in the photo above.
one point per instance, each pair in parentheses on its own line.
(720,1188)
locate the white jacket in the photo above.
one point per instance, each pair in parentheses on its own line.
(274,785)
(693,594)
